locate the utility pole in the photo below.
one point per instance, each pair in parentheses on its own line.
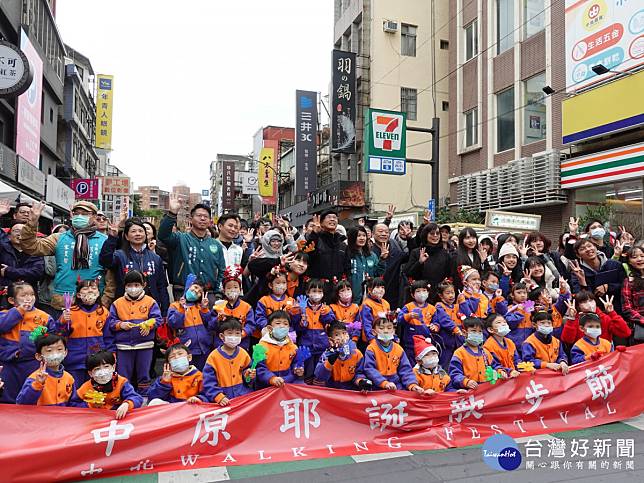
(433,162)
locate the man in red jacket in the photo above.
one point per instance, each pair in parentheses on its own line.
(584,302)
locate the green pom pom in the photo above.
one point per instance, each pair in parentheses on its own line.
(37,332)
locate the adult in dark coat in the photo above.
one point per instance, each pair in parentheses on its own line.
(430,262)
(14,263)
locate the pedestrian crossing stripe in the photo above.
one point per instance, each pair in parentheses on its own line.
(222,473)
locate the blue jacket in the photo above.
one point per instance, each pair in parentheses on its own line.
(146,262)
(202,256)
(15,328)
(136,312)
(610,272)
(20,266)
(66,278)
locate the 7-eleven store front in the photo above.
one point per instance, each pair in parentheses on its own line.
(614,178)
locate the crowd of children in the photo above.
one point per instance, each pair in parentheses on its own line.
(99,358)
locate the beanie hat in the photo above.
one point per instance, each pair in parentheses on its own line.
(233,272)
(467,272)
(508,249)
(423,346)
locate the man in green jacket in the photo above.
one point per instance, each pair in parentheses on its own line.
(193,252)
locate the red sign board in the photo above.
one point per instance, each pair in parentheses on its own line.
(115,185)
(85,189)
(298,422)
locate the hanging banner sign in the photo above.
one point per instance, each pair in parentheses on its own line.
(228,185)
(299,422)
(306,138)
(267,172)
(343,102)
(86,189)
(104,103)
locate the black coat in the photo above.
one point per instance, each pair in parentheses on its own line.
(329,258)
(437,268)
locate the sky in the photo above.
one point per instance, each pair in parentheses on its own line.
(198,77)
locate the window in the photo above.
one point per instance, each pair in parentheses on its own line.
(408,102)
(471,127)
(408,39)
(534,117)
(51,115)
(471,40)
(534,16)
(505,120)
(444,44)
(445,105)
(504,25)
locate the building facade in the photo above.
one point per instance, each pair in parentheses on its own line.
(402,55)
(153,198)
(242,202)
(77,131)
(508,144)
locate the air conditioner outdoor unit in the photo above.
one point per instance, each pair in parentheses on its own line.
(390,26)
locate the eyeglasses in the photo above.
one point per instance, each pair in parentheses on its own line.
(101,217)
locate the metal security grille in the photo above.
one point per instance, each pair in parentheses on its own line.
(532,181)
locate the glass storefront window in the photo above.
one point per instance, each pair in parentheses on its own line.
(622,202)
(534,124)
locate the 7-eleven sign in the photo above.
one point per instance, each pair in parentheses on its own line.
(385,133)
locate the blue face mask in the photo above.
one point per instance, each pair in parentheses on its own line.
(493,287)
(191,296)
(80,221)
(180,365)
(475,338)
(280,333)
(598,233)
(545,329)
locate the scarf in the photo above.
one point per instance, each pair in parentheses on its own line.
(80,259)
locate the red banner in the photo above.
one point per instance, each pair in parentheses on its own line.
(301,422)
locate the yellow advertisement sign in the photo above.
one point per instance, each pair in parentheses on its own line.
(104,99)
(267,172)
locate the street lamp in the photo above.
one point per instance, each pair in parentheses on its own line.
(601,69)
(548,90)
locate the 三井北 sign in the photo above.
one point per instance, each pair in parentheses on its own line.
(306,139)
(15,71)
(385,141)
(610,33)
(86,189)
(343,103)
(512,221)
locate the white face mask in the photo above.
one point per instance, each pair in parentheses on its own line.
(316,297)
(88,298)
(594,332)
(103,376)
(232,341)
(56,358)
(421,297)
(279,288)
(503,330)
(378,293)
(429,362)
(232,294)
(134,292)
(346,296)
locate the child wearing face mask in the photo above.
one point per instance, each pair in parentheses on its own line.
(416,318)
(430,376)
(373,307)
(276,300)
(51,384)
(491,289)
(542,348)
(83,324)
(469,363)
(234,306)
(344,310)
(542,299)
(106,389)
(502,349)
(341,365)
(192,322)
(227,373)
(591,346)
(311,318)
(180,382)
(472,302)
(385,362)
(134,319)
(17,350)
(518,315)
(279,366)
(449,320)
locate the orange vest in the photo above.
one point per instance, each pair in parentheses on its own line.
(313,317)
(133,310)
(279,357)
(87,324)
(240,312)
(544,352)
(192,316)
(184,387)
(474,366)
(229,371)
(345,314)
(113,398)
(505,355)
(57,390)
(428,312)
(588,349)
(453,313)
(437,382)
(377,309)
(484,302)
(386,362)
(28,323)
